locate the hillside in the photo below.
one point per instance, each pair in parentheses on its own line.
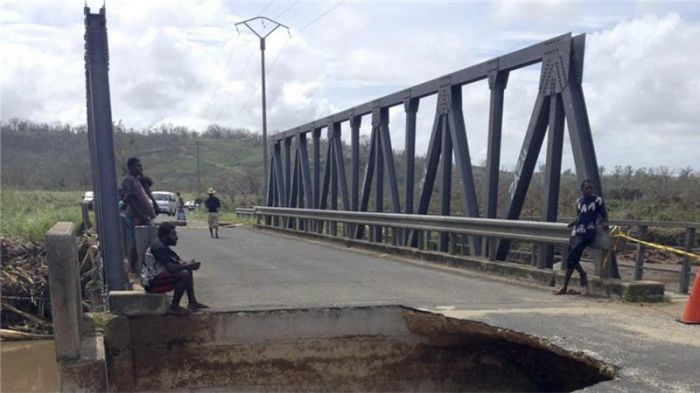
(55,157)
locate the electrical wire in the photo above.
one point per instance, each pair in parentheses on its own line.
(227,63)
(274,61)
(287,9)
(321,16)
(223,75)
(245,67)
(265,7)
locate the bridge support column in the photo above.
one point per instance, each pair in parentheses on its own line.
(100,138)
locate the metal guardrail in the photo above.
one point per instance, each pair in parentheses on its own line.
(244,212)
(539,232)
(634,223)
(642,228)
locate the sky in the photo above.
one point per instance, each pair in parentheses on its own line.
(183,62)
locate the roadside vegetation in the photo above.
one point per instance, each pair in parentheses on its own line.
(29,214)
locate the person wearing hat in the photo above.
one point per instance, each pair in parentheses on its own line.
(213,205)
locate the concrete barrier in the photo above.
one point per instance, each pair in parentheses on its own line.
(79,350)
(145,236)
(137,302)
(64,288)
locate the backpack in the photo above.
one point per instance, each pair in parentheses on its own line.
(149,270)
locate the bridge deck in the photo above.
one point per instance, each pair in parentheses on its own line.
(253,269)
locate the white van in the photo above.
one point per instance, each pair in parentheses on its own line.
(167,202)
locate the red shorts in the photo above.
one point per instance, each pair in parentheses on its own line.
(163,282)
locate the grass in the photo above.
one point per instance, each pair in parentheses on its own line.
(30,214)
(224,217)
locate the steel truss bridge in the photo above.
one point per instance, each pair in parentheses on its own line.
(297,183)
(304,195)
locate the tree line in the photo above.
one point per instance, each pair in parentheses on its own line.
(43,156)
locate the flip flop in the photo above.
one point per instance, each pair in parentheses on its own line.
(178,310)
(197,307)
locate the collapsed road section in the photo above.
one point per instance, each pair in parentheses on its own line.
(381,348)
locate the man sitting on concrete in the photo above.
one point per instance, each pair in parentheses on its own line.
(164,271)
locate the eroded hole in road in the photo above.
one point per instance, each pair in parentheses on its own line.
(387,348)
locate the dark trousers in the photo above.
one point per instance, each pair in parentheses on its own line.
(576,247)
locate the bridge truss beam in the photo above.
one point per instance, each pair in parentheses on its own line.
(560,99)
(101,143)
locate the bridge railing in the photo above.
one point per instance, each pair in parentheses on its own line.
(427,227)
(425,230)
(641,229)
(244,212)
(532,231)
(301,178)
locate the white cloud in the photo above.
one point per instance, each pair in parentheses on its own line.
(182,62)
(641,88)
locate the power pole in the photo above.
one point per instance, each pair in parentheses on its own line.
(262,72)
(198,182)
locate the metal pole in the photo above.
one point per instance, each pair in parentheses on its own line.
(639,257)
(685,270)
(262,72)
(199,184)
(264,106)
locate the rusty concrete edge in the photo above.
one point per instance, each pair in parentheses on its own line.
(520,274)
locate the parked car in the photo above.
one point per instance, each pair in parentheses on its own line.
(191,205)
(88,199)
(167,202)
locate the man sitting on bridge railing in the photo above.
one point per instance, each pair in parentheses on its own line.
(164,271)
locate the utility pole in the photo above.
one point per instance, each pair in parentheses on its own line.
(262,37)
(198,182)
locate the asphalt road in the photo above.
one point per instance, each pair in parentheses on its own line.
(248,268)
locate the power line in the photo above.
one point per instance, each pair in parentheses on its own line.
(228,60)
(300,30)
(245,67)
(321,16)
(223,74)
(274,61)
(286,9)
(265,7)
